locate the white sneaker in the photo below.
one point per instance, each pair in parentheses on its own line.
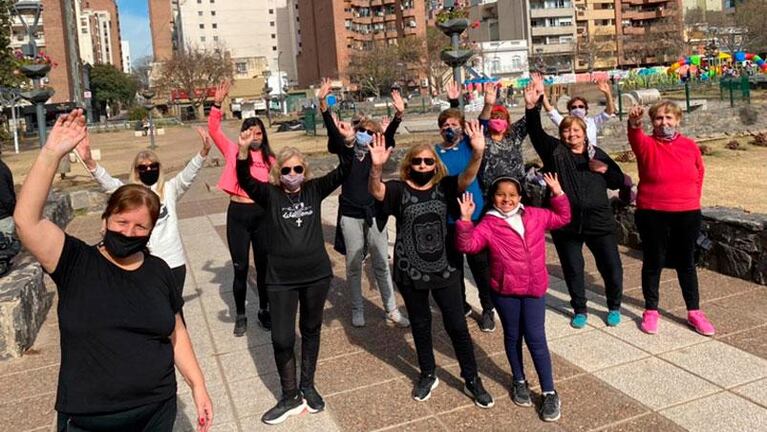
(397,318)
(358,318)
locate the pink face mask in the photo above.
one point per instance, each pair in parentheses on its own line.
(498,125)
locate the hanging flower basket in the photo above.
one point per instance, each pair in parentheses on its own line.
(455,58)
(39,95)
(35,70)
(453,26)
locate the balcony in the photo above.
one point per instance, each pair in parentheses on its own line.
(629,30)
(603,30)
(643,2)
(551,13)
(596,14)
(362,20)
(647,15)
(410,31)
(563,48)
(553,31)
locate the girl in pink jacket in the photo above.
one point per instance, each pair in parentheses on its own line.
(515,238)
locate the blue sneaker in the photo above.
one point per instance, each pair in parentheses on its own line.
(613,318)
(579,321)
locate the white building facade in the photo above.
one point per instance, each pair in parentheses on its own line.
(504,59)
(127,66)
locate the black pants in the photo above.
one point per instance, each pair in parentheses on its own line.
(605,250)
(179,275)
(154,417)
(243,231)
(448,300)
(667,235)
(285,301)
(479,264)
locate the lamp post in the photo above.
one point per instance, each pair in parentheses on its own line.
(38,95)
(148,94)
(268,96)
(11,96)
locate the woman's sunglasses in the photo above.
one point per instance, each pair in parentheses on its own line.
(154,166)
(368,131)
(578,106)
(418,161)
(298,169)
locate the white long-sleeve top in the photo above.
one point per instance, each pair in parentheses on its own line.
(593,123)
(165,241)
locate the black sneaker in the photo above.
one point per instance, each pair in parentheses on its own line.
(240,325)
(520,394)
(265,319)
(487,321)
(476,391)
(314,402)
(551,407)
(285,408)
(422,390)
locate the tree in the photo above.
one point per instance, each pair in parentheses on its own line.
(749,16)
(8,64)
(194,71)
(141,70)
(662,41)
(110,85)
(434,67)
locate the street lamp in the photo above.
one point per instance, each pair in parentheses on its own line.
(148,94)
(11,96)
(38,96)
(268,95)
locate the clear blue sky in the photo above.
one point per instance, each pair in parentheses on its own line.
(134,26)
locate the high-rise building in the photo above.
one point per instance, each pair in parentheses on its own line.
(99,24)
(331,30)
(125,48)
(596,46)
(245,29)
(162,25)
(648,31)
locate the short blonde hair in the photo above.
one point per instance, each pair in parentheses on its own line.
(285,154)
(147,155)
(440,170)
(666,105)
(568,121)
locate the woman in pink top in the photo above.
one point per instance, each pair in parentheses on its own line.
(515,237)
(243,217)
(668,215)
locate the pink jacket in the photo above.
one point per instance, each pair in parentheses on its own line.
(517,265)
(228,181)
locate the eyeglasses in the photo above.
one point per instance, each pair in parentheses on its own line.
(154,166)
(368,131)
(418,161)
(579,106)
(298,169)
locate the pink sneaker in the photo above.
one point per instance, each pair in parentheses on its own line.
(697,320)
(650,321)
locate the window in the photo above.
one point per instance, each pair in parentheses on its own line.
(274,36)
(202,38)
(271,23)
(199,13)
(202,26)
(241,67)
(274,48)
(215,38)
(214,25)
(199,1)
(271,11)
(212,1)
(212,13)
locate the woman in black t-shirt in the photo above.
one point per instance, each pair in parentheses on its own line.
(298,270)
(121,331)
(420,201)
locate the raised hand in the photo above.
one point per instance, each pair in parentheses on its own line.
(222,90)
(491,91)
(244,140)
(379,154)
(385,122)
(597,166)
(466,202)
(206,142)
(531,96)
(346,129)
(453,90)
(636,113)
(604,87)
(552,181)
(68,131)
(325,88)
(476,134)
(396,99)
(537,80)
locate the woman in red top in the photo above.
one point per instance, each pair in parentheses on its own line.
(668,214)
(243,217)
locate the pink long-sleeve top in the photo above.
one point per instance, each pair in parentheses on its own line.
(517,263)
(670,172)
(228,181)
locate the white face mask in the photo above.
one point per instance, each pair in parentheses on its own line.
(578,112)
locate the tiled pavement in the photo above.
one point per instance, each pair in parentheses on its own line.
(612,379)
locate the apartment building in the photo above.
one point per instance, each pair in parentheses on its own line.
(648,32)
(596,46)
(162,24)
(99,32)
(331,30)
(127,59)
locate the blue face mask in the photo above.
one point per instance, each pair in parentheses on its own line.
(363,138)
(451,135)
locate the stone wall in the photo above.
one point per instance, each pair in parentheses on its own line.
(24,298)
(734,242)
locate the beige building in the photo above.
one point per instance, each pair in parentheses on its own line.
(596,45)
(162,26)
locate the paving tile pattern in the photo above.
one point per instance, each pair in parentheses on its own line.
(609,378)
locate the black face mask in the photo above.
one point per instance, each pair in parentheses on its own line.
(122,246)
(421,178)
(149,178)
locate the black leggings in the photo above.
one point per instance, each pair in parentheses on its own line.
(669,238)
(243,231)
(154,417)
(285,301)
(605,250)
(479,264)
(448,300)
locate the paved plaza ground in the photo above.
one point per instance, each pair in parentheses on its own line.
(613,379)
